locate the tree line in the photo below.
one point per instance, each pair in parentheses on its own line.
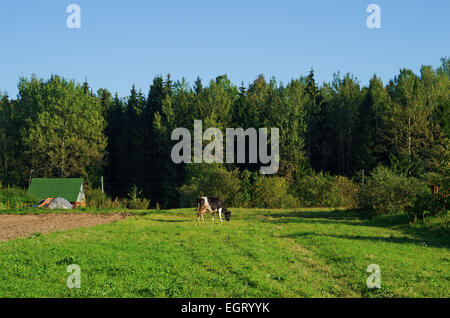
(60,128)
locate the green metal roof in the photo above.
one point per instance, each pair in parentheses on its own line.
(69,188)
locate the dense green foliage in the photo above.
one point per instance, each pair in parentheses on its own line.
(136,201)
(54,128)
(212,179)
(386,192)
(323,190)
(272,193)
(97,200)
(260,253)
(249,190)
(330,136)
(14,198)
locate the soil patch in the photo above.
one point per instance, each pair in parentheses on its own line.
(15,226)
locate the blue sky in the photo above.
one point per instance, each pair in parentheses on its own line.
(121,43)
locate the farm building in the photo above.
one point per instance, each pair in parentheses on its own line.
(70,189)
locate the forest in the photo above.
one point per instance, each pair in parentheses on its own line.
(381,147)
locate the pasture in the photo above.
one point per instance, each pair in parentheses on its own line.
(259,253)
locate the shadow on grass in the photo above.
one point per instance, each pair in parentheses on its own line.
(171,221)
(399,222)
(310,221)
(329,215)
(348,217)
(391,239)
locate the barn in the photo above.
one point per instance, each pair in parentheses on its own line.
(71,189)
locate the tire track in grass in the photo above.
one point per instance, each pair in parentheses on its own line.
(324,269)
(244,259)
(276,272)
(312,261)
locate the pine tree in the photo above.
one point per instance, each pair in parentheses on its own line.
(314,120)
(198,86)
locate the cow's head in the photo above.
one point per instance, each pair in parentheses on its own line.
(227,215)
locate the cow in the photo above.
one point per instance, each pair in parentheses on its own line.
(213,205)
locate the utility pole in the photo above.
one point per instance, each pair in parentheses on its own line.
(29,179)
(102,185)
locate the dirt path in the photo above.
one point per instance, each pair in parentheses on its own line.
(14,226)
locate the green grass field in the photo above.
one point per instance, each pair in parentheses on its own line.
(260,253)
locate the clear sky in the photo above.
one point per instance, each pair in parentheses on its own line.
(121,43)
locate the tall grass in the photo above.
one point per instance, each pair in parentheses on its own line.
(136,201)
(14,198)
(98,200)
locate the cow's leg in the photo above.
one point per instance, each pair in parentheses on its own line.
(200,214)
(220,214)
(212,213)
(203,218)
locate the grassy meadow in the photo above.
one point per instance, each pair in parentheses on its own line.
(260,253)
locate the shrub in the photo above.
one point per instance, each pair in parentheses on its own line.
(96,199)
(386,192)
(244,197)
(311,190)
(210,180)
(323,190)
(12,197)
(428,204)
(272,192)
(136,202)
(346,192)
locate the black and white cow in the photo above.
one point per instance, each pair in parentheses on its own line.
(213,205)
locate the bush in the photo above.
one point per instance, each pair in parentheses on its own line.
(136,202)
(323,190)
(12,197)
(210,180)
(238,190)
(345,192)
(98,200)
(386,192)
(311,190)
(427,204)
(244,197)
(272,192)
